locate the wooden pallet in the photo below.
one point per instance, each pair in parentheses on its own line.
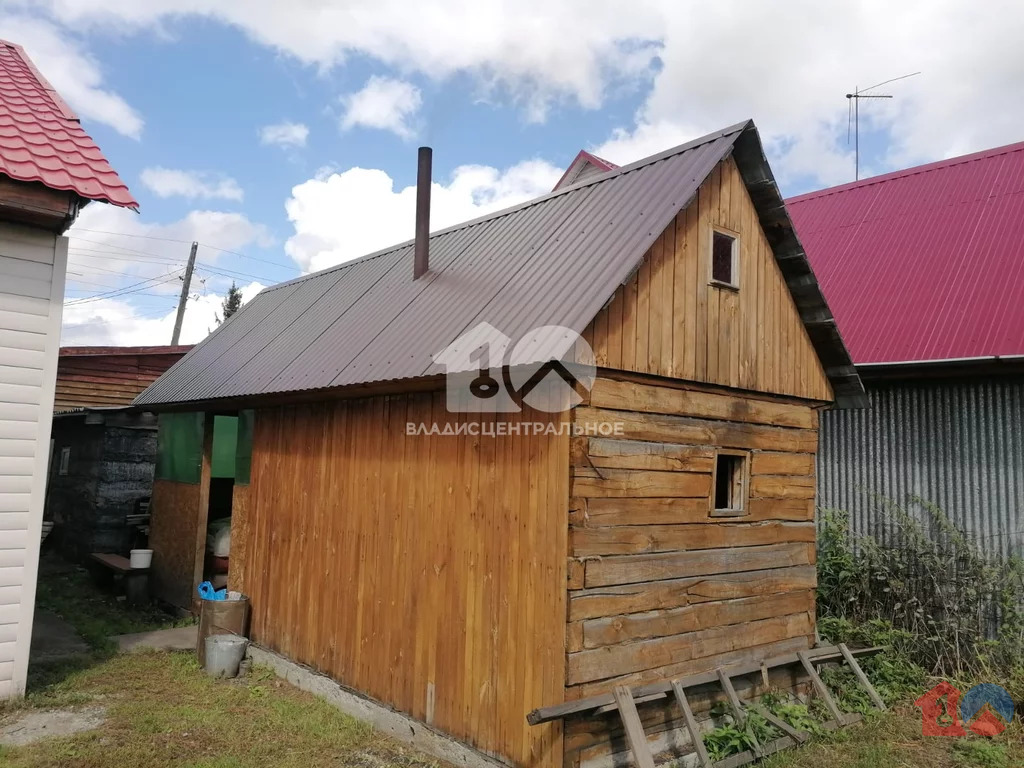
(625,700)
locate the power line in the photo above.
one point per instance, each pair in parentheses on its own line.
(126,289)
(88,253)
(225,272)
(175,240)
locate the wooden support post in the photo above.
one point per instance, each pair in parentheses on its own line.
(691,725)
(820,687)
(852,662)
(642,756)
(738,713)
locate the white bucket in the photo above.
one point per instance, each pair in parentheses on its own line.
(141,558)
(224,654)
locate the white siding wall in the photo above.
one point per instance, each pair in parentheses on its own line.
(32,266)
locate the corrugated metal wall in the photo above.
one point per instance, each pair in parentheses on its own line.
(958,444)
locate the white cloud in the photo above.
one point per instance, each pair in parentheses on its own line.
(171,182)
(707,64)
(72,72)
(341,216)
(124,273)
(285,134)
(789,67)
(115,322)
(383,103)
(536,52)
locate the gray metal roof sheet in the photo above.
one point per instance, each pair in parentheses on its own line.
(555,260)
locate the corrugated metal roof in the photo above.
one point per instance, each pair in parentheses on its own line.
(555,260)
(926,263)
(42,140)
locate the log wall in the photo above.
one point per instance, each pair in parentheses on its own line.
(425,571)
(658,587)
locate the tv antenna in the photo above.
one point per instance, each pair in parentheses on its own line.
(854,116)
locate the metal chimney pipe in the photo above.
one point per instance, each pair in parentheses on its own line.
(422,260)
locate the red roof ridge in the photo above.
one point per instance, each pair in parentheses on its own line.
(937,165)
(608,164)
(598,162)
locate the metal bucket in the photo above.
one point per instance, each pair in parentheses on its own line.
(221,617)
(224,654)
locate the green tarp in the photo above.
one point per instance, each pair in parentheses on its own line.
(225,439)
(243,451)
(180,447)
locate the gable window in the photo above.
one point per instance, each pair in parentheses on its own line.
(724,257)
(729,484)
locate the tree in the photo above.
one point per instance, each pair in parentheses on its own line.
(231,304)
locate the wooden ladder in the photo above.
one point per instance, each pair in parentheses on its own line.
(625,700)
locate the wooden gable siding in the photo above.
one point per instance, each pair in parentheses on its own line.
(668,320)
(427,571)
(106,380)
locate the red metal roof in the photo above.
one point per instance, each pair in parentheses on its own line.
(576,168)
(923,264)
(42,140)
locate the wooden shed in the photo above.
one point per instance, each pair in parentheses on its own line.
(466,568)
(103,449)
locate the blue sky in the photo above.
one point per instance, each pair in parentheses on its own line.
(282,137)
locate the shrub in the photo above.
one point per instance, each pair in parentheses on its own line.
(931,596)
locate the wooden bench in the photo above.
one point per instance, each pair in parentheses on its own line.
(135,580)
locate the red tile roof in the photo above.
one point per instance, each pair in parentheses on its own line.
(923,264)
(42,140)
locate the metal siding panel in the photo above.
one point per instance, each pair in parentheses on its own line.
(956,444)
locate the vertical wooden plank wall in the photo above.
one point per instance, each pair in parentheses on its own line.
(426,571)
(668,320)
(658,588)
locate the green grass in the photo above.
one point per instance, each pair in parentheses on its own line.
(894,739)
(162,710)
(69,591)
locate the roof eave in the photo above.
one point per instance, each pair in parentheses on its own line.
(796,270)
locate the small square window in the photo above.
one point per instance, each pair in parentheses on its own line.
(729,494)
(723,258)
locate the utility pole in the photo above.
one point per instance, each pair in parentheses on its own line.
(186,284)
